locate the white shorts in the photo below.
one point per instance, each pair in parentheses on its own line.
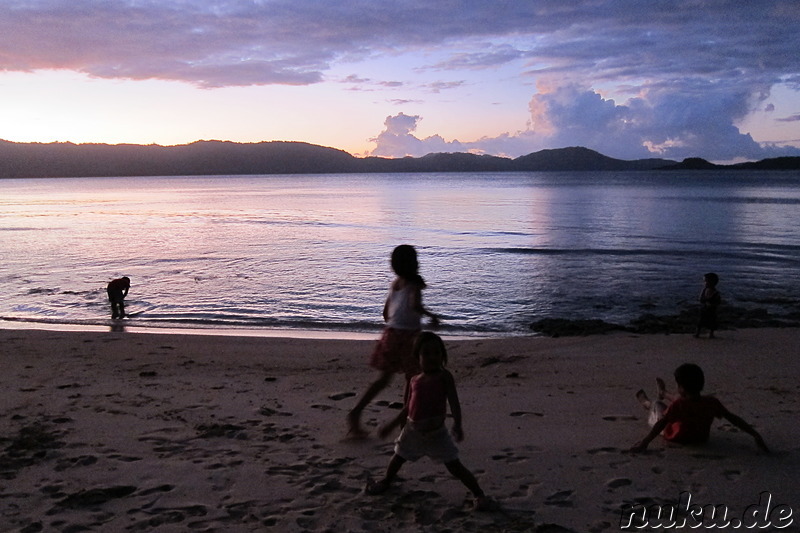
(437,444)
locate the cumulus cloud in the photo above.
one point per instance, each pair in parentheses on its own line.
(398,140)
(656,124)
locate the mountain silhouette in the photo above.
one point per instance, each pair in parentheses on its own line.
(36,160)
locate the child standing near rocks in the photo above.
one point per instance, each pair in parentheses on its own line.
(710,299)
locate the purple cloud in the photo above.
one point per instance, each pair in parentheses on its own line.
(221,43)
(692,69)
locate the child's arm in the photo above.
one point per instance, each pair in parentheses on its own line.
(455,405)
(419,308)
(658,427)
(747,428)
(387,428)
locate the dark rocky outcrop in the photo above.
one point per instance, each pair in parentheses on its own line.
(685,321)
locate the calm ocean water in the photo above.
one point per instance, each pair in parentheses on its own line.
(311,252)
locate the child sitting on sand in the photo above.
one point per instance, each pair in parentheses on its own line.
(424,432)
(687,418)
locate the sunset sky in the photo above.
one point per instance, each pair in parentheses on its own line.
(630,78)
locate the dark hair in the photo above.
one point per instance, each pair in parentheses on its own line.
(405,264)
(690,377)
(711,278)
(426,337)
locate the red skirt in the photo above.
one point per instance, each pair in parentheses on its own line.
(394,352)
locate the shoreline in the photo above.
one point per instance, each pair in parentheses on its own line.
(225,332)
(731,319)
(167,432)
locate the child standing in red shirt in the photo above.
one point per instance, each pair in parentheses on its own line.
(424,433)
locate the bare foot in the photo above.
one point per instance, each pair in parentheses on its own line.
(662,388)
(486,504)
(374,488)
(643,399)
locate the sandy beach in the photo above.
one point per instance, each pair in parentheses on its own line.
(120,431)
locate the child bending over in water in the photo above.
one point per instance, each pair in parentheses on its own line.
(424,432)
(687,418)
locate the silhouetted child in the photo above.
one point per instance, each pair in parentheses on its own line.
(687,417)
(117,291)
(403,312)
(710,299)
(424,412)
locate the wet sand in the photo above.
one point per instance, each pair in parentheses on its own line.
(121,431)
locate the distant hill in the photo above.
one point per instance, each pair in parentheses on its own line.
(578,158)
(34,160)
(198,158)
(777,163)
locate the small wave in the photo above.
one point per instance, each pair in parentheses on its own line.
(737,200)
(752,253)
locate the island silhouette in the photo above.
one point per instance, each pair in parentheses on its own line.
(39,160)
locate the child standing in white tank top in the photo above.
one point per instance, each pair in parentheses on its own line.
(403,312)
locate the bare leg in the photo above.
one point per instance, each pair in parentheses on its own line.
(656,412)
(380,487)
(643,399)
(663,393)
(354,416)
(482,501)
(466,477)
(662,388)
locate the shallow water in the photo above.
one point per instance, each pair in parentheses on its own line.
(311,252)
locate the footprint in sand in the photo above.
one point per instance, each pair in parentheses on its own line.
(153,490)
(603,450)
(341,396)
(525,413)
(732,475)
(391,405)
(73,462)
(709,456)
(92,497)
(561,498)
(618,482)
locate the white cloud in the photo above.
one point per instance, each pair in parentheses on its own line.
(657,124)
(398,140)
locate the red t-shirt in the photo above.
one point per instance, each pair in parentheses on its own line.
(689,419)
(428,397)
